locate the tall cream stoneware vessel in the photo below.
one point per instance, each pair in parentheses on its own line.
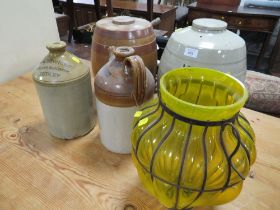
(64,87)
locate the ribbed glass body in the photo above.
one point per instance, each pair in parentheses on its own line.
(191,146)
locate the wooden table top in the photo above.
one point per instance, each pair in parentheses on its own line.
(39,171)
(240,10)
(128,5)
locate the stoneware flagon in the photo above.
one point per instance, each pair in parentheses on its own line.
(124,31)
(120,86)
(191,145)
(207,43)
(63,84)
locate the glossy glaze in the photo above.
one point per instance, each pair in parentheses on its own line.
(120,86)
(192,147)
(124,31)
(208,44)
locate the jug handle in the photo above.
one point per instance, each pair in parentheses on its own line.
(136,65)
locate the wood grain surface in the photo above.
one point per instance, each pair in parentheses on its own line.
(38,171)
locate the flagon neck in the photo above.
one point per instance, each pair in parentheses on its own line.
(209,25)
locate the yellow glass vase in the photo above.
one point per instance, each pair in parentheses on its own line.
(191,145)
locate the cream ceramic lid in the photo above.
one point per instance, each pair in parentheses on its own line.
(209,24)
(59,66)
(205,34)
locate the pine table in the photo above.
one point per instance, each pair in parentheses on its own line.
(38,171)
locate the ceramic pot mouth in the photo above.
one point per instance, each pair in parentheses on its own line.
(56,46)
(202,94)
(209,24)
(122,52)
(123,20)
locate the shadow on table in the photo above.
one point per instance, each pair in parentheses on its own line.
(151,202)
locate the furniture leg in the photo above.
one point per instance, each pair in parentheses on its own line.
(274,53)
(97,9)
(109,8)
(70,11)
(263,49)
(150,7)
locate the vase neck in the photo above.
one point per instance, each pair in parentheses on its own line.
(195,121)
(202,94)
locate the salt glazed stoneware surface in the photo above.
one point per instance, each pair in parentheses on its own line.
(63,84)
(191,145)
(124,31)
(120,86)
(208,44)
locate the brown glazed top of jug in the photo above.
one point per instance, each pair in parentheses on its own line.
(124,81)
(125,28)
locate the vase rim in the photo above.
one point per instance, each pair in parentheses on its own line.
(202,112)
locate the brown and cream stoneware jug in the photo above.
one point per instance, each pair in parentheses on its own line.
(124,31)
(120,86)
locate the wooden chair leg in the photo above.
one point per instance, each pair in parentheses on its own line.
(263,50)
(97,9)
(70,13)
(275,51)
(150,8)
(109,8)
